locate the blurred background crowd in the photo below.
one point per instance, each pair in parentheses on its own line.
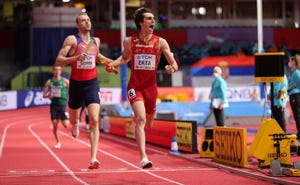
(32,31)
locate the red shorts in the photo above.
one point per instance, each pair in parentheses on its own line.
(148,95)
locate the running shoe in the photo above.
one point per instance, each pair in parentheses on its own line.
(58,145)
(145,163)
(94,164)
(75,131)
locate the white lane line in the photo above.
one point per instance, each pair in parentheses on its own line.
(6,128)
(69,171)
(38,172)
(126,162)
(73,174)
(4,137)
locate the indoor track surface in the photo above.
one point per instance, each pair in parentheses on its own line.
(28,156)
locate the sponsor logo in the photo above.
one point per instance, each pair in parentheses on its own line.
(107,96)
(28,98)
(144,46)
(3,101)
(34,98)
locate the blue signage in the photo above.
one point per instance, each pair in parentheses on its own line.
(31,98)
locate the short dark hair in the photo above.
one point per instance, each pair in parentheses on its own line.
(292,58)
(139,16)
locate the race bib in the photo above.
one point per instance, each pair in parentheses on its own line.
(88,63)
(144,62)
(56,91)
(131,94)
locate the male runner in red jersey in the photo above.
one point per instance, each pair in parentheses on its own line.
(144,50)
(84,85)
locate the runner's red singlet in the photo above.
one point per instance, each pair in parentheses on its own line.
(85,70)
(143,64)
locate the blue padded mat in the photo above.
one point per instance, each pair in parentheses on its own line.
(199,111)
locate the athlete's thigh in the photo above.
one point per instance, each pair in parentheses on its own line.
(62,112)
(92,93)
(76,94)
(53,112)
(93,110)
(138,108)
(150,97)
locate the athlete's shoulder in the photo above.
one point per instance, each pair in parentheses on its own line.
(65,79)
(156,36)
(71,39)
(163,43)
(161,39)
(127,40)
(47,83)
(66,82)
(134,37)
(96,41)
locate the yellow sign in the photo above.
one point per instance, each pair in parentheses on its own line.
(207,146)
(230,146)
(8,9)
(269,53)
(269,79)
(263,145)
(184,135)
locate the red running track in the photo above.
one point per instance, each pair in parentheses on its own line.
(27,156)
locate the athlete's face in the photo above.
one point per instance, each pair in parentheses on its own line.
(149,23)
(84,23)
(56,71)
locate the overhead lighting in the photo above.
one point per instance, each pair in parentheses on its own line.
(202,11)
(65,1)
(219,10)
(79,5)
(133,3)
(194,11)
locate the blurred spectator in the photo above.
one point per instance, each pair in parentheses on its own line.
(279,102)
(294,90)
(218,96)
